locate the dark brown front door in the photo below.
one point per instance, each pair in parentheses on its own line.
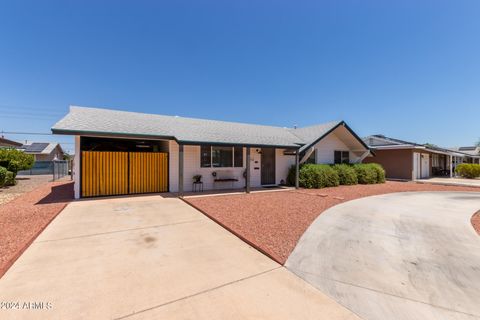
(268,165)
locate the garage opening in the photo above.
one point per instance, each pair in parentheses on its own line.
(122,167)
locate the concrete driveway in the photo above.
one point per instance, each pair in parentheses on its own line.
(151,258)
(396,256)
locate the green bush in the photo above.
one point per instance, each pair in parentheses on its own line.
(346,174)
(14,167)
(318,176)
(15,160)
(291,176)
(468,170)
(380,172)
(3,176)
(10,179)
(366,173)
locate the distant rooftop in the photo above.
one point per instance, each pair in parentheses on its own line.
(381,141)
(39,148)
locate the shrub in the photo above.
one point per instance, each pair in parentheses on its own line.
(10,179)
(346,174)
(3,176)
(291,176)
(468,170)
(380,172)
(318,176)
(366,174)
(15,160)
(14,167)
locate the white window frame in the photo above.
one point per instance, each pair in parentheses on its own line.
(211,157)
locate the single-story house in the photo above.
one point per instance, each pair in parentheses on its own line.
(404,160)
(119,152)
(470,154)
(6,143)
(44,151)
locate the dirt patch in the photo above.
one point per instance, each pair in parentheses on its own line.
(273,222)
(476,222)
(22,219)
(24,184)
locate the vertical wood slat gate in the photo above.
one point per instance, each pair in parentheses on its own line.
(115,173)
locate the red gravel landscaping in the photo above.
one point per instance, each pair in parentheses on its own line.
(273,222)
(22,219)
(476,222)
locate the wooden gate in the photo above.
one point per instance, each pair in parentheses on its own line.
(148,172)
(115,173)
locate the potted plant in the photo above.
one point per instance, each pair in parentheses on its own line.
(197,178)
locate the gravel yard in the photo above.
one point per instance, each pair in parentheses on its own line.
(24,184)
(476,222)
(273,222)
(23,218)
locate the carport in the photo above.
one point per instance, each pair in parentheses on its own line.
(111,166)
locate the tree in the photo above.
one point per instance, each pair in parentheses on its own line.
(15,160)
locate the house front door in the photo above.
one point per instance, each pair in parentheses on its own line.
(268,166)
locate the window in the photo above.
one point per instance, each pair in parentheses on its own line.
(342,157)
(221,157)
(435,160)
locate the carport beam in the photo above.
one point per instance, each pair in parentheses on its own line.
(247,172)
(296,169)
(180,170)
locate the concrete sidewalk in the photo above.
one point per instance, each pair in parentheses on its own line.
(452,182)
(152,258)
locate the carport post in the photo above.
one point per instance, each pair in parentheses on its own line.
(451,166)
(247,172)
(297,173)
(180,170)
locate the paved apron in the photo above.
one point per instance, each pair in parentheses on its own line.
(396,256)
(152,258)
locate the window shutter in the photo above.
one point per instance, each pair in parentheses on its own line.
(238,156)
(205,156)
(338,157)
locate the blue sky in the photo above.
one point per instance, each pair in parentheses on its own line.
(408,69)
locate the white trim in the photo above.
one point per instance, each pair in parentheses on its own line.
(307,154)
(362,157)
(76,168)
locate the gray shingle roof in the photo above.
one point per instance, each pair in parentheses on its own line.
(39,147)
(311,134)
(81,120)
(36,147)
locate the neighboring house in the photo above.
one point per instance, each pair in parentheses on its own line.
(44,151)
(43,154)
(470,154)
(406,160)
(125,152)
(5,143)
